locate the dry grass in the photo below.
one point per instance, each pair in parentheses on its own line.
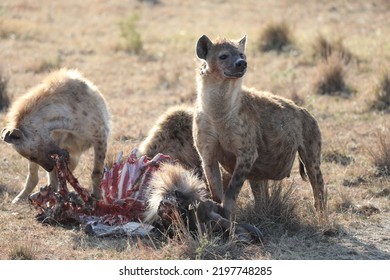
(131,38)
(37,36)
(380,154)
(381,91)
(4,98)
(337,157)
(326,49)
(330,78)
(275,37)
(46,65)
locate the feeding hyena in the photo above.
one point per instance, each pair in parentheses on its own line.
(177,196)
(65,113)
(253,135)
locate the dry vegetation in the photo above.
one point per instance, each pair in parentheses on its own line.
(4,98)
(141,55)
(275,37)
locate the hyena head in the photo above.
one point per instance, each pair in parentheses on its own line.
(31,146)
(224,58)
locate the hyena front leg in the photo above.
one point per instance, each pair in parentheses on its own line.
(214,180)
(211,169)
(100,148)
(244,163)
(31,181)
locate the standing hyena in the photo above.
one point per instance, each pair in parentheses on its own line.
(253,135)
(65,112)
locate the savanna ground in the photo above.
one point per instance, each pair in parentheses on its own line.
(141,56)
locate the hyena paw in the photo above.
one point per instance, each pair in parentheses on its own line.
(18,200)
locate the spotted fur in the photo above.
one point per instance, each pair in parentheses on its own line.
(254,135)
(65,112)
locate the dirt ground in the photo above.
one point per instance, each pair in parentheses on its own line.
(142,76)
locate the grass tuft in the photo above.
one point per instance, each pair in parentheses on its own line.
(132,41)
(4,98)
(47,65)
(275,37)
(324,49)
(205,244)
(337,157)
(330,79)
(382,92)
(21,252)
(381,156)
(276,213)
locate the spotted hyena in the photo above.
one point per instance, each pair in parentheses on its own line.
(65,113)
(254,135)
(172,135)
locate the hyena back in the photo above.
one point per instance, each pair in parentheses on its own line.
(65,113)
(172,135)
(253,135)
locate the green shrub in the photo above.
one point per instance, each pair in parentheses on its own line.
(130,35)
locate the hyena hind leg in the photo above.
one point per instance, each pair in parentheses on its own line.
(260,191)
(311,162)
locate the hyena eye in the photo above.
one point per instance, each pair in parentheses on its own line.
(242,55)
(223,56)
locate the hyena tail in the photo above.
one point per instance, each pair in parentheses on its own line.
(302,170)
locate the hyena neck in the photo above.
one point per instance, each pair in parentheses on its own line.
(219,99)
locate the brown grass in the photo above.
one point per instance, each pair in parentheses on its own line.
(279,209)
(46,65)
(337,157)
(380,154)
(275,37)
(381,91)
(330,78)
(4,98)
(326,49)
(139,88)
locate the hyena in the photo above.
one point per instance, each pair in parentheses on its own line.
(254,135)
(176,194)
(172,135)
(65,113)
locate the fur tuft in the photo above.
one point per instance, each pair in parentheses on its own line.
(167,180)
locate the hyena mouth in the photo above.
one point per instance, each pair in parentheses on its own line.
(235,75)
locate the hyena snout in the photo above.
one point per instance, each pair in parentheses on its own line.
(237,69)
(49,162)
(240,65)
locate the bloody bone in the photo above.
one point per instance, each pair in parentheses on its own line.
(127,190)
(122,193)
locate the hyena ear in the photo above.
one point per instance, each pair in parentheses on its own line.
(242,42)
(11,136)
(203,46)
